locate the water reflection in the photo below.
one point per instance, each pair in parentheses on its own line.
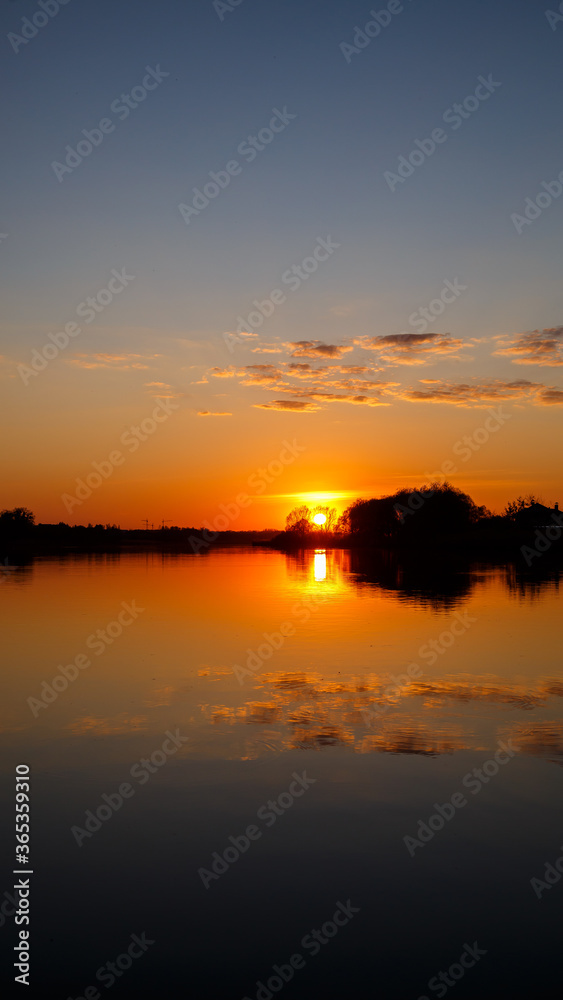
(461,699)
(531,585)
(320,565)
(338,683)
(340,674)
(543,739)
(425,718)
(307,567)
(440,581)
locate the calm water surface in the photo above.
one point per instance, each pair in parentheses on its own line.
(390,691)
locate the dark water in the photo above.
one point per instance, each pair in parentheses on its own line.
(389,695)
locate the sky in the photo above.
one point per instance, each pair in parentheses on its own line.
(311,276)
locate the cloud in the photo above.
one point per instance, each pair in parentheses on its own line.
(536,347)
(291,405)
(351,385)
(354,369)
(162,390)
(412,348)
(481,393)
(222,372)
(333,397)
(303,370)
(260,375)
(316,349)
(117,362)
(340,383)
(267,349)
(208,413)
(288,378)
(548,396)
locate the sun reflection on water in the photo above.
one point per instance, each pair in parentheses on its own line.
(319,567)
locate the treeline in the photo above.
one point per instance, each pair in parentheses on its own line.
(19,532)
(434,515)
(411,514)
(437,514)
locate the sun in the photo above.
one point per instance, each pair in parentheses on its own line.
(319,518)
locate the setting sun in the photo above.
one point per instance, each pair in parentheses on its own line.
(319,518)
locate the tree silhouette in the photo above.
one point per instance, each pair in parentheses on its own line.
(331,515)
(17,523)
(298,520)
(17,517)
(412,515)
(516,507)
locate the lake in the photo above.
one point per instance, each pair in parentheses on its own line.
(257,774)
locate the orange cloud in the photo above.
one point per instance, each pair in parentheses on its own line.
(316,349)
(162,390)
(412,348)
(208,413)
(481,393)
(291,405)
(537,347)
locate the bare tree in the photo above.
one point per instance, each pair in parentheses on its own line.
(515,507)
(299,520)
(331,515)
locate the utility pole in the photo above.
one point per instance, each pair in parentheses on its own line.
(146,523)
(167,521)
